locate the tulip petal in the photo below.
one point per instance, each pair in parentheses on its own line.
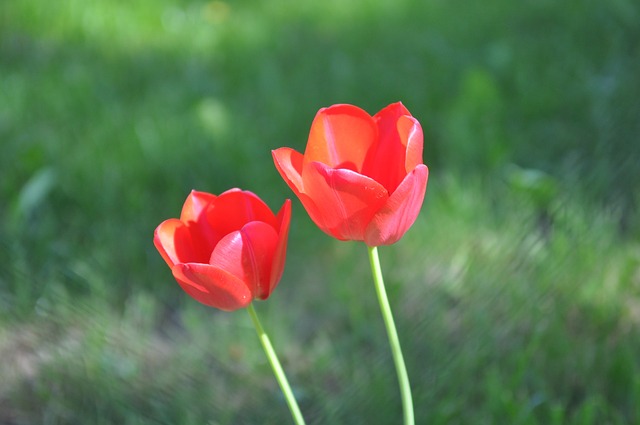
(232,210)
(392,221)
(247,254)
(173,241)
(411,135)
(203,236)
(227,255)
(259,245)
(212,286)
(393,110)
(195,204)
(280,253)
(340,137)
(289,164)
(346,201)
(387,160)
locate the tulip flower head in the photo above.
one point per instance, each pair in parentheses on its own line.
(227,250)
(361,177)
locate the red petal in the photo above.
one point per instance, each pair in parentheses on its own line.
(235,208)
(227,255)
(289,164)
(392,221)
(411,136)
(396,110)
(247,254)
(193,214)
(173,241)
(260,241)
(340,137)
(280,254)
(346,201)
(212,286)
(195,204)
(386,162)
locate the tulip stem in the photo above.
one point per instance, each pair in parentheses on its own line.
(394,342)
(277,368)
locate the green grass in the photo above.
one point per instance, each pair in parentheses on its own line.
(516,294)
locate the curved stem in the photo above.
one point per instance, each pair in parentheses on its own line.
(394,342)
(277,368)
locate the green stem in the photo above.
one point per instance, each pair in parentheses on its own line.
(277,369)
(401,369)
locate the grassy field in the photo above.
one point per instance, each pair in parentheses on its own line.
(516,293)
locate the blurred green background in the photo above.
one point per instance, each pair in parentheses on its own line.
(516,293)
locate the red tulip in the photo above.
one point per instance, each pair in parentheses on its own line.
(361,177)
(226,250)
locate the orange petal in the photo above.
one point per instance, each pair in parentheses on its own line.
(212,286)
(399,213)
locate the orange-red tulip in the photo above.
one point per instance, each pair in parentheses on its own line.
(361,177)
(226,250)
